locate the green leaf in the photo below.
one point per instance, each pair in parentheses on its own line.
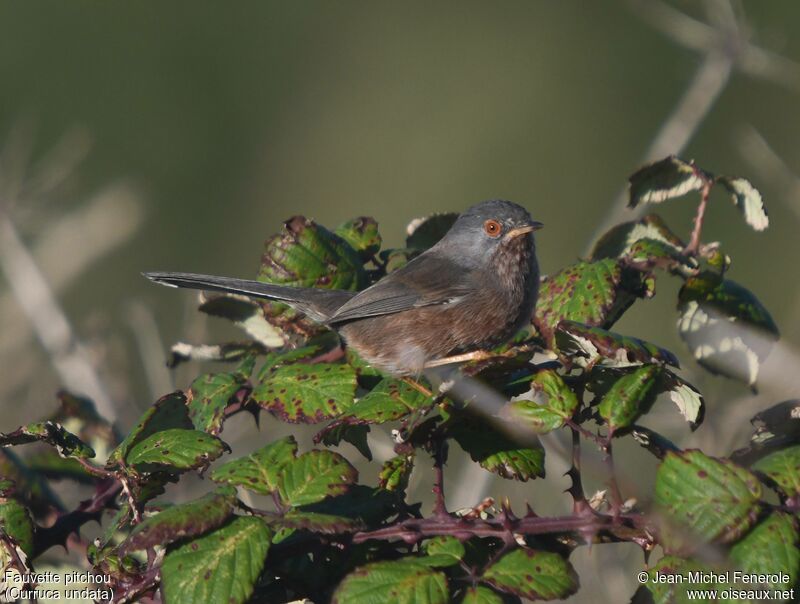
(404,581)
(620,239)
(443,551)
(208,397)
(585,292)
(553,403)
(327,524)
(674,580)
(705,498)
(362,235)
(170,411)
(355,434)
(783,467)
(52,433)
(532,574)
(660,254)
(480,595)
(393,259)
(629,397)
(176,448)
(747,198)
(390,400)
(725,326)
(258,471)
(181,521)
(665,179)
(221,566)
(395,472)
(424,233)
(771,547)
(307,393)
(313,476)
(497,453)
(16,521)
(277,358)
(686,397)
(595,346)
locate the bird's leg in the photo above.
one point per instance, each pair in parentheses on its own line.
(417,386)
(475,355)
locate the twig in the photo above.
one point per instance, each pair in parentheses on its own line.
(694,242)
(439,507)
(616,495)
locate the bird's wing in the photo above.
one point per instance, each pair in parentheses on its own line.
(434,281)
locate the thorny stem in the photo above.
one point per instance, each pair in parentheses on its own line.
(694,242)
(616,496)
(579,503)
(598,440)
(439,507)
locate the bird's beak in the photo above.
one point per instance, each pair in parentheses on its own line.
(528,228)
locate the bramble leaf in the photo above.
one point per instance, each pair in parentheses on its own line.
(175,448)
(771,547)
(221,566)
(497,453)
(480,595)
(208,397)
(665,179)
(16,521)
(747,198)
(629,397)
(390,400)
(708,499)
(362,235)
(307,393)
(245,314)
(443,551)
(674,580)
(52,433)
(258,471)
(620,239)
(783,467)
(553,403)
(532,574)
(404,581)
(395,472)
(313,476)
(181,521)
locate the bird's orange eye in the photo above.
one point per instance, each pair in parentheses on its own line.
(492,228)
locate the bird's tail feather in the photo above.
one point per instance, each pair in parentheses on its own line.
(317,303)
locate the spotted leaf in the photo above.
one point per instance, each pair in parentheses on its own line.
(404,581)
(532,574)
(665,179)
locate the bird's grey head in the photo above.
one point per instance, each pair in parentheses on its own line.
(485,227)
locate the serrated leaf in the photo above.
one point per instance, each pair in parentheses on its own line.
(532,574)
(665,179)
(307,393)
(247,315)
(208,397)
(16,521)
(395,472)
(221,566)
(674,580)
(52,433)
(497,453)
(181,521)
(443,551)
(783,467)
(748,200)
(277,358)
(170,411)
(771,547)
(480,595)
(585,292)
(423,233)
(553,403)
(686,397)
(629,397)
(620,239)
(258,471)
(705,498)
(725,326)
(355,434)
(595,346)
(390,400)
(362,235)
(367,504)
(175,448)
(660,254)
(313,476)
(404,581)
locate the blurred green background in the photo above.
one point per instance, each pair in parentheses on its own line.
(196,128)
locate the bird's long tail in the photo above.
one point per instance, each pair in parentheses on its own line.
(318,304)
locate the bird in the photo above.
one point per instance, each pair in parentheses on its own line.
(470,292)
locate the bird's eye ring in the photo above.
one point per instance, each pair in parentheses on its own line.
(492,228)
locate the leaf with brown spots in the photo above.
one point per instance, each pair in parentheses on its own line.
(404,581)
(390,400)
(532,574)
(221,566)
(175,448)
(181,521)
(362,235)
(630,396)
(258,471)
(770,548)
(704,499)
(52,433)
(208,397)
(395,473)
(307,393)
(586,292)
(783,468)
(552,404)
